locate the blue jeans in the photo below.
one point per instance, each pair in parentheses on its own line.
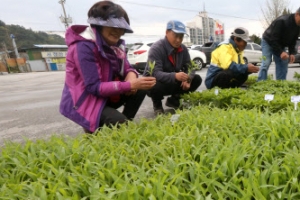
(281,66)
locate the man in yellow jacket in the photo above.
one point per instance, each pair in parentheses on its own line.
(227,68)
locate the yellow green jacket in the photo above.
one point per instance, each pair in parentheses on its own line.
(225,57)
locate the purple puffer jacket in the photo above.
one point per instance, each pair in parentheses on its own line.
(89,77)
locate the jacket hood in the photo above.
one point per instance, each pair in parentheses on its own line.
(73,34)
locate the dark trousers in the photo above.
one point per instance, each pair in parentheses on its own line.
(111,116)
(160,89)
(227,79)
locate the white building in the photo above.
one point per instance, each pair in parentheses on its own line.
(204,29)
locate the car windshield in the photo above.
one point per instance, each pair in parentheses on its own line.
(149,44)
(136,46)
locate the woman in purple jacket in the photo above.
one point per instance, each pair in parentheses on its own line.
(99,78)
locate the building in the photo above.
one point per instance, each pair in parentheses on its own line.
(204,29)
(45,57)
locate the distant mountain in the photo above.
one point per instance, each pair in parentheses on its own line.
(25,38)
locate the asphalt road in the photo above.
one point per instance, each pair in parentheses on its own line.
(29,105)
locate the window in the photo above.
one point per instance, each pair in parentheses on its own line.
(256,47)
(248,47)
(149,44)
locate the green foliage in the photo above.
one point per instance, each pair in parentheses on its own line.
(192,66)
(151,67)
(253,79)
(256,39)
(297,76)
(209,153)
(263,58)
(26,37)
(286,11)
(251,98)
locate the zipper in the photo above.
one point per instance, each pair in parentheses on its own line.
(80,100)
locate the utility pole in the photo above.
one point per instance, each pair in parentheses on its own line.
(14,45)
(64,19)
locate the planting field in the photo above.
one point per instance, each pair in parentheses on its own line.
(214,150)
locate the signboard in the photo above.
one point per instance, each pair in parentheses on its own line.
(219,28)
(54,54)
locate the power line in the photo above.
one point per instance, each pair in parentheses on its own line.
(188,10)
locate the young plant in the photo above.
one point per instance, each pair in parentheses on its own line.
(297,76)
(263,58)
(151,67)
(192,66)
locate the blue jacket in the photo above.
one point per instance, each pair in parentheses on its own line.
(225,57)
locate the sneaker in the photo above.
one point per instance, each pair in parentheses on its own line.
(173,102)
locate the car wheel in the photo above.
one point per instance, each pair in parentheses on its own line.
(199,62)
(245,60)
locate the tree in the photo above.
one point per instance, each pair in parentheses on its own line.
(256,39)
(274,9)
(286,11)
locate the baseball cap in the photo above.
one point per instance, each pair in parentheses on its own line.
(176,26)
(241,33)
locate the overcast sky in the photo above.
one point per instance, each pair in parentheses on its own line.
(148,18)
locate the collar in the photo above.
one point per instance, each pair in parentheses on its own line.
(88,34)
(170,48)
(234,45)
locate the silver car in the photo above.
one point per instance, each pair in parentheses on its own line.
(252,53)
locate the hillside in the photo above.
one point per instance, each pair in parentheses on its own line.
(25,38)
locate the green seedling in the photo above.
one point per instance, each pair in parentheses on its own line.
(263,58)
(297,76)
(151,67)
(192,66)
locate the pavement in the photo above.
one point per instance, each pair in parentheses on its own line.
(29,105)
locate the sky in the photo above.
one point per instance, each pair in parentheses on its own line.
(148,18)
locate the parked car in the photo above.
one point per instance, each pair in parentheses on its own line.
(252,53)
(297,56)
(138,54)
(206,48)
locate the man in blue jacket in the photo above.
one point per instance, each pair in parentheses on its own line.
(283,32)
(172,61)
